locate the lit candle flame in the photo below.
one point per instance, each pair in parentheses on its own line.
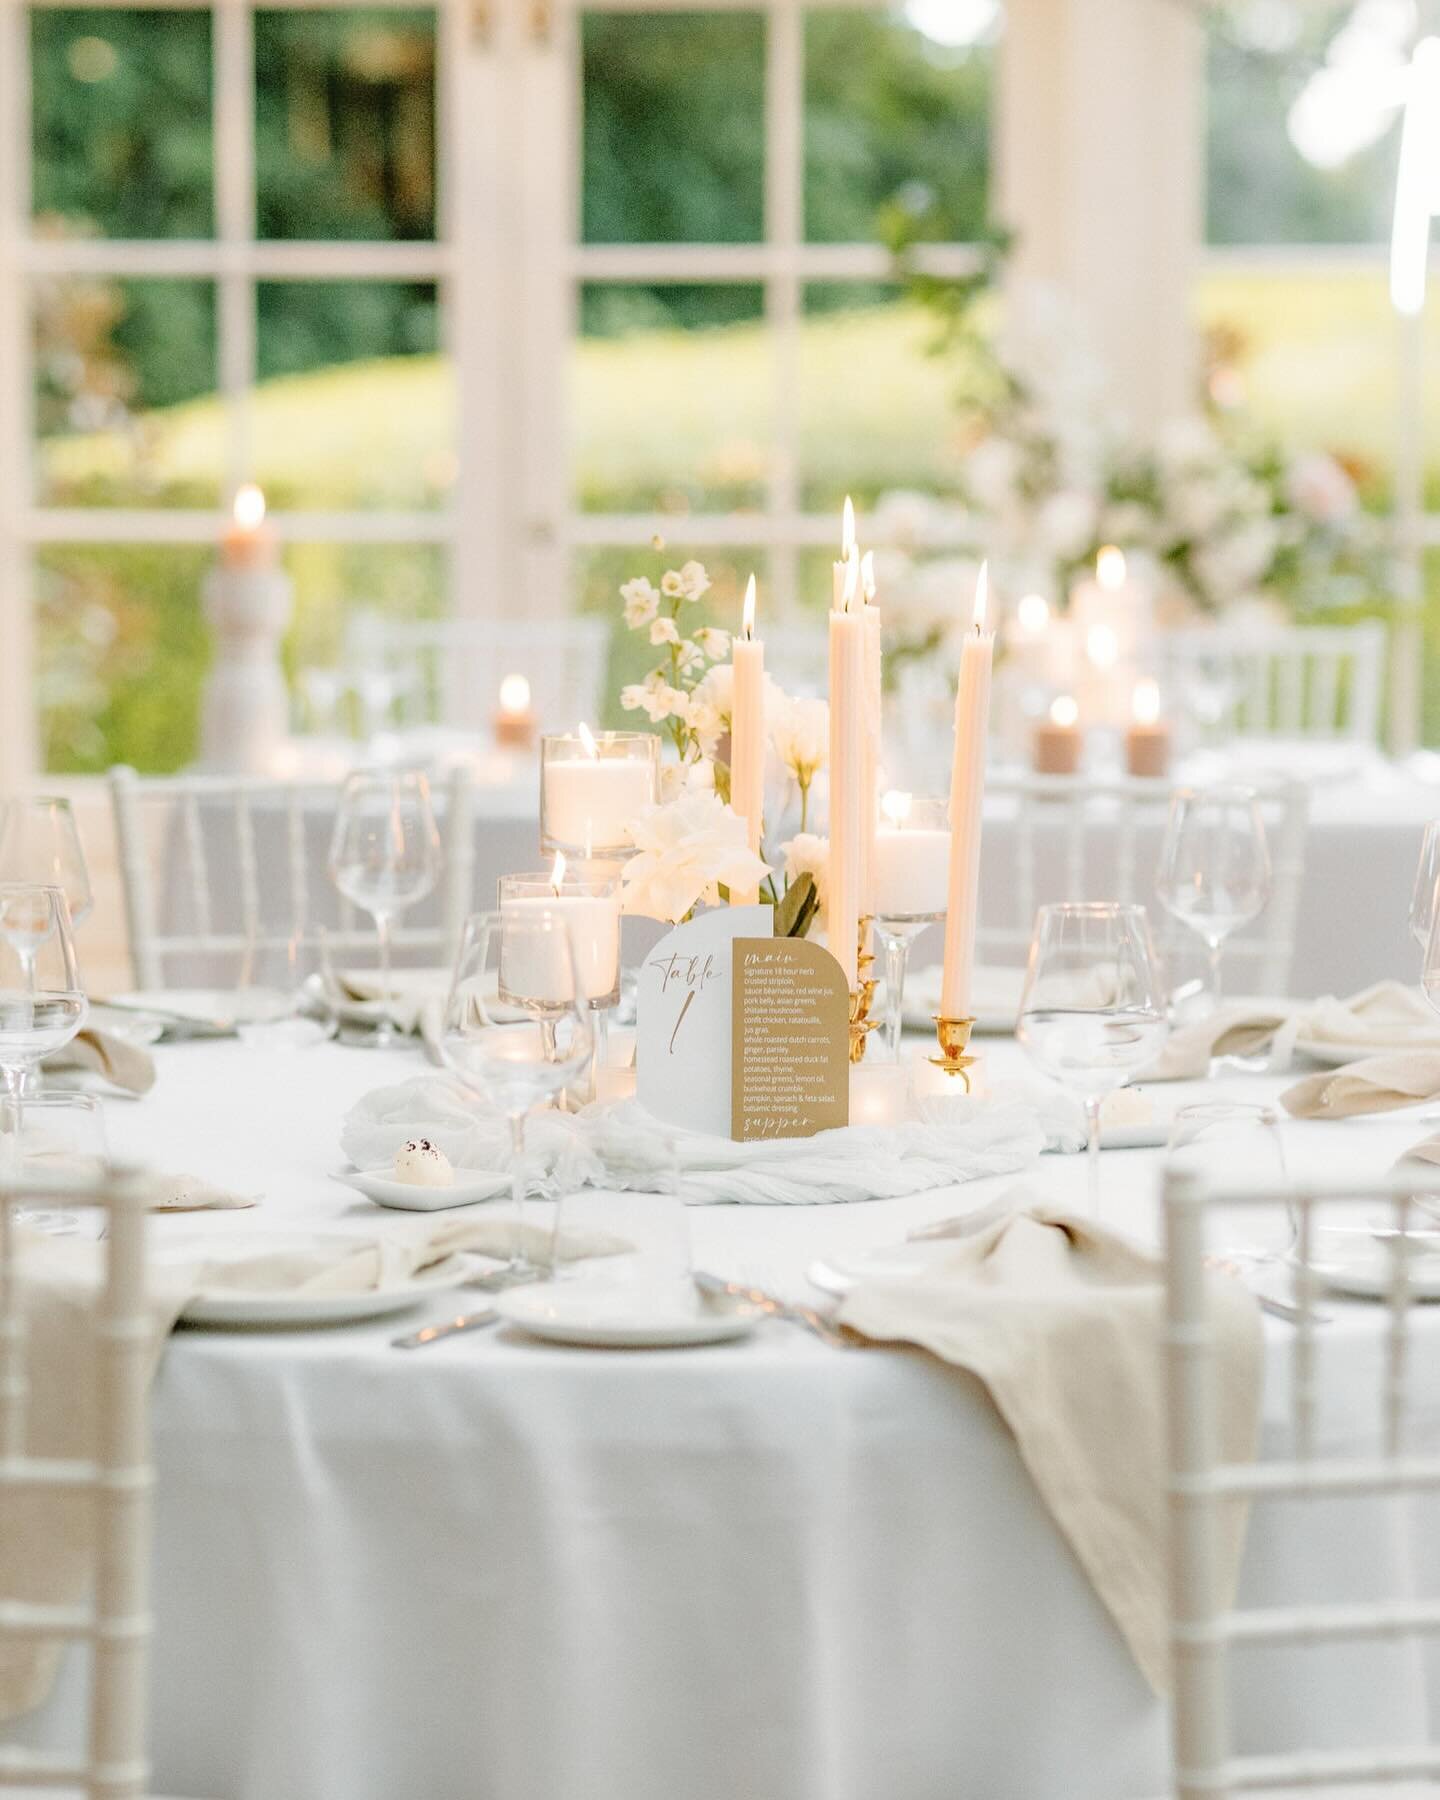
(587,741)
(867,576)
(852,579)
(1064,712)
(847,529)
(557,874)
(1102,646)
(1145,702)
(249,508)
(1032,615)
(514,694)
(747,621)
(982,594)
(1110,567)
(896,806)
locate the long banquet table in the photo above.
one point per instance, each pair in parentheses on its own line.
(774,1570)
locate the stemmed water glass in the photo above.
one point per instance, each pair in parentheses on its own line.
(1238,1144)
(516,1029)
(384,856)
(40,842)
(1093,1008)
(1214,870)
(1427,878)
(42,1004)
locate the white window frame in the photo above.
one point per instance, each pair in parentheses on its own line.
(508,263)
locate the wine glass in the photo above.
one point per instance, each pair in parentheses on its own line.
(516,1030)
(911,888)
(1093,1008)
(63,1136)
(1427,877)
(1214,870)
(1238,1144)
(40,842)
(42,1005)
(384,856)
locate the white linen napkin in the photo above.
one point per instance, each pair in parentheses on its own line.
(1061,1320)
(417,996)
(1385,1016)
(622,1146)
(122,1062)
(1375,1084)
(46,1545)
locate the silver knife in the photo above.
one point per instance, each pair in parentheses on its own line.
(432,1334)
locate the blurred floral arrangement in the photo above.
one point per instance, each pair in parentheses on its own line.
(692,846)
(1214,513)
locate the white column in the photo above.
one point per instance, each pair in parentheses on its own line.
(1100,164)
(18,745)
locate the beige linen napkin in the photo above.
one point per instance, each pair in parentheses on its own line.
(417,996)
(45,1539)
(123,1063)
(1376,1084)
(1385,1016)
(1061,1320)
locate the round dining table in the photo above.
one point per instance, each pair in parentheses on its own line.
(499,1569)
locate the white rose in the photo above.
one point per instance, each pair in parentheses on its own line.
(686,851)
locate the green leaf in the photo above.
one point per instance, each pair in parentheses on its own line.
(797,910)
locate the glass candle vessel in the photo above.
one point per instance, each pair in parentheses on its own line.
(593,786)
(910,888)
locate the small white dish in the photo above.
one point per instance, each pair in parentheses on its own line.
(236,1306)
(469,1187)
(1367,1276)
(622,1316)
(837,1275)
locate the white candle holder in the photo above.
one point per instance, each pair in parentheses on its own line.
(911,879)
(589,906)
(592,789)
(245,711)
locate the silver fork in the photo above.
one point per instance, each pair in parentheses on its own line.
(715,1288)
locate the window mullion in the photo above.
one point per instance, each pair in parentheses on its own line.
(234,63)
(18,745)
(784,233)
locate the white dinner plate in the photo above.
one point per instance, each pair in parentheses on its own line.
(206,1007)
(616,1315)
(836,1275)
(236,1306)
(1367,1277)
(468,1188)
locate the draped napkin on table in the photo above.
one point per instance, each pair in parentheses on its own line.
(1061,1320)
(122,1062)
(46,1541)
(1387,1016)
(949,1140)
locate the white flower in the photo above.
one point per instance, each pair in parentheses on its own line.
(688,582)
(809,855)
(664,631)
(1187,444)
(642,602)
(1196,507)
(1126,522)
(1065,524)
(686,851)
(713,641)
(690,657)
(800,732)
(992,470)
(695,777)
(1318,487)
(710,705)
(656,698)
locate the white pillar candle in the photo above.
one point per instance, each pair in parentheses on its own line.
(748,736)
(1111,619)
(874,730)
(879,1093)
(847,750)
(532,968)
(912,869)
(589,800)
(967,798)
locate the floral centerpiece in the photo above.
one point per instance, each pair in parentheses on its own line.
(691,848)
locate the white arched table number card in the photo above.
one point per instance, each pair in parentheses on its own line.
(741,1034)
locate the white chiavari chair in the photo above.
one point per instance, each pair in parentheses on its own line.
(1301,681)
(215,867)
(1399,1464)
(448,671)
(114,1623)
(1077,837)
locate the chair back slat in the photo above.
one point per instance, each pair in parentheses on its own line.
(1321,682)
(1205,1626)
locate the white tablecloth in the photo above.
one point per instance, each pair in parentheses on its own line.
(773,1570)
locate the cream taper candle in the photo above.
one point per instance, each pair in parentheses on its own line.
(747,735)
(967,798)
(847,750)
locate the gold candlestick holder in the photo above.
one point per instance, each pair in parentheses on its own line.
(953,1036)
(862,996)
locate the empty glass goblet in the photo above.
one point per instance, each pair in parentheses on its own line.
(42,1004)
(1214,870)
(517,1031)
(1238,1144)
(384,856)
(1427,878)
(1093,1009)
(40,842)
